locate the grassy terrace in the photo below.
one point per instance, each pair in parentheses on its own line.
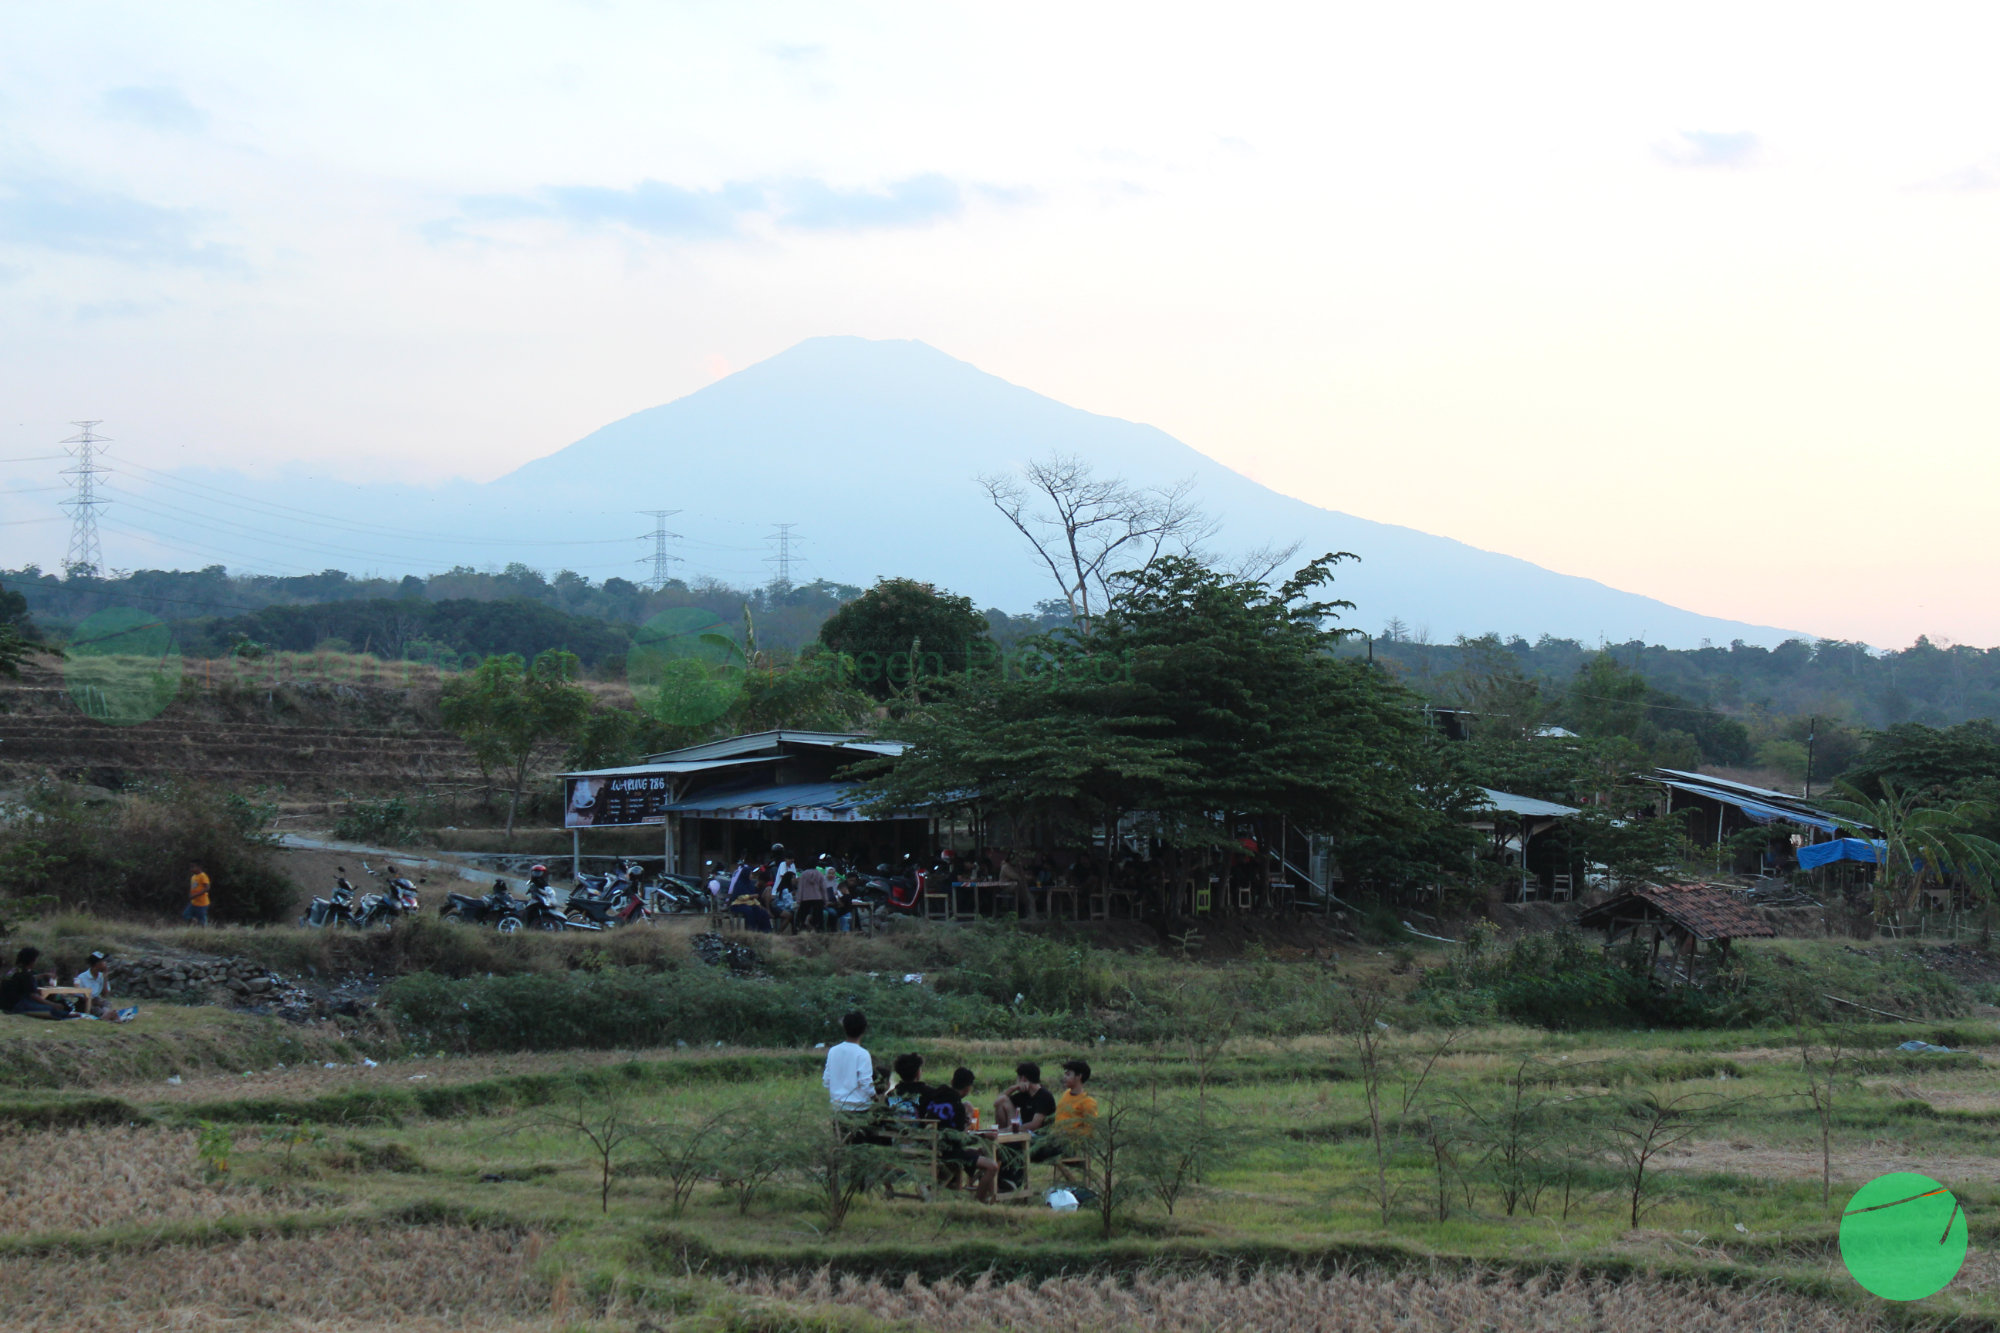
(449,1185)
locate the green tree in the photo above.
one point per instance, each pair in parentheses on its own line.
(509,713)
(1196,694)
(1922,844)
(902,632)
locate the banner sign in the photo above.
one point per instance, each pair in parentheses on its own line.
(613,802)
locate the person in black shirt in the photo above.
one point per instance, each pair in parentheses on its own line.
(957,1142)
(21,989)
(1026,1105)
(906,1098)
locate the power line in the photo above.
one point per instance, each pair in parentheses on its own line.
(660,557)
(288,513)
(86,551)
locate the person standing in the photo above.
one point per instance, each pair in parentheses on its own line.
(850,1071)
(197,903)
(812,899)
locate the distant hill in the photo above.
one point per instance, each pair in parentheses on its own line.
(872,449)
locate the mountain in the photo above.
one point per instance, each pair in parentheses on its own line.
(872,448)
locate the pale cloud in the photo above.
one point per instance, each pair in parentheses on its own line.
(660,209)
(160,108)
(917,202)
(1979,176)
(1710,148)
(43,213)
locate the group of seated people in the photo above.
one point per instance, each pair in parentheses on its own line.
(33,991)
(1055,1125)
(778,896)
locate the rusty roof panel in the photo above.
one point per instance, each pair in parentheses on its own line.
(1706,911)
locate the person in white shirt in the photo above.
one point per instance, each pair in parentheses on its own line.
(716,886)
(850,1071)
(94,979)
(781,865)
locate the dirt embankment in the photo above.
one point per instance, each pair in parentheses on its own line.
(338,726)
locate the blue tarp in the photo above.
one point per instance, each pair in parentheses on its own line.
(1840,849)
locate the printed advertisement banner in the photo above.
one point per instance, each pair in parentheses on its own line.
(614,802)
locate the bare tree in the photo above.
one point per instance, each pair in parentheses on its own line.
(1259,564)
(1087,529)
(603,1120)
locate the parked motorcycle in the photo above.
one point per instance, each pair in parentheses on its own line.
(679,893)
(397,900)
(543,911)
(621,907)
(495,907)
(336,909)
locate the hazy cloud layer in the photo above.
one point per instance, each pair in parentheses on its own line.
(160,108)
(656,208)
(43,213)
(1710,148)
(1979,176)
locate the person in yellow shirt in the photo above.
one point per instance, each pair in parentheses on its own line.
(197,903)
(1076,1114)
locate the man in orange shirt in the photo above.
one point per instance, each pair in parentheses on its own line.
(1076,1114)
(197,904)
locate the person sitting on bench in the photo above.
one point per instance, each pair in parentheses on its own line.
(1025,1107)
(956,1142)
(751,902)
(1076,1114)
(906,1096)
(21,990)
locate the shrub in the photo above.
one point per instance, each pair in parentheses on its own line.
(390,822)
(130,854)
(626,1008)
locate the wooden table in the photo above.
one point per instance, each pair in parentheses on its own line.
(76,993)
(1021,1139)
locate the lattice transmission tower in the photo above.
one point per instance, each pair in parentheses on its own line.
(783,558)
(86,552)
(660,558)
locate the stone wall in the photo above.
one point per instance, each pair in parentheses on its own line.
(154,977)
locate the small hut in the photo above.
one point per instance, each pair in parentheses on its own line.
(1690,915)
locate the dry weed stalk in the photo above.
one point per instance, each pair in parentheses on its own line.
(84,1180)
(412,1280)
(1278,1301)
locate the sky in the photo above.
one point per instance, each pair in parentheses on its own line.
(1696,300)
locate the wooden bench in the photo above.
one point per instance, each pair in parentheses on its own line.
(916,1148)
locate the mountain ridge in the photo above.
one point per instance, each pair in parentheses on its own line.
(873,449)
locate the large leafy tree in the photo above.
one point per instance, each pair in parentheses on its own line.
(1197,696)
(1922,844)
(510,712)
(881,629)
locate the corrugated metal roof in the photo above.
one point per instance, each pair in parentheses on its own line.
(1759,803)
(1704,911)
(1508,803)
(785,796)
(674,766)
